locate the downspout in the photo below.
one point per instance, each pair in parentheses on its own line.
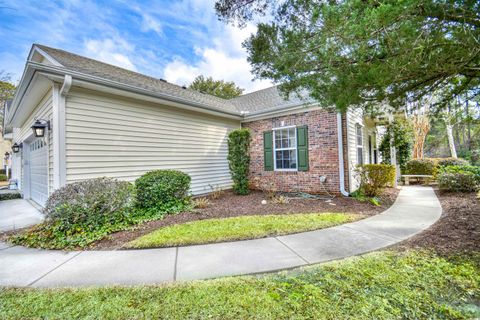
(58,117)
(341,167)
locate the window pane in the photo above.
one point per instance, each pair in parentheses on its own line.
(293,159)
(359,155)
(292,143)
(359,136)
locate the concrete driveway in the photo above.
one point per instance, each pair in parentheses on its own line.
(17,214)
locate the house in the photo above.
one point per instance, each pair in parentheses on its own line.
(101,120)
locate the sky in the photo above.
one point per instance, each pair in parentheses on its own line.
(173,40)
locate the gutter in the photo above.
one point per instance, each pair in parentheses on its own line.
(341,166)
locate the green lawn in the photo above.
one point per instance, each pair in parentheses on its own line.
(381,285)
(238,228)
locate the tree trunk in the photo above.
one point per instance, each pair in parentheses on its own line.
(451,142)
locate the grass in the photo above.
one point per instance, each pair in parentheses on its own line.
(238,228)
(381,285)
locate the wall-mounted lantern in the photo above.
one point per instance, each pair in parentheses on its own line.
(16,147)
(39,127)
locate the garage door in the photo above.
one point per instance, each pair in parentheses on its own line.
(38,172)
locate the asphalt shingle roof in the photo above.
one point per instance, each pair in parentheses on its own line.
(262,100)
(266,99)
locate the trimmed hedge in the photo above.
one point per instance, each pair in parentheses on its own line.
(375,177)
(163,190)
(10,196)
(444,162)
(432,166)
(239,159)
(421,166)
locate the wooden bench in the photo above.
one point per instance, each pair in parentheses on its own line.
(407,177)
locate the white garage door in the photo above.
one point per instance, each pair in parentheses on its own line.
(38,172)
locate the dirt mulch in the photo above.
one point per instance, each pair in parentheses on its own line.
(458,230)
(231,205)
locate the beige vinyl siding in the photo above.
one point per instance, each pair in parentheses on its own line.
(123,138)
(43,110)
(354,117)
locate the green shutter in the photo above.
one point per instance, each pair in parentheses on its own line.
(302,148)
(268,150)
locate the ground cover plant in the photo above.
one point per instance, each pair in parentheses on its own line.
(238,228)
(381,285)
(81,213)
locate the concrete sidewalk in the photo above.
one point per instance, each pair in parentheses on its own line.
(415,210)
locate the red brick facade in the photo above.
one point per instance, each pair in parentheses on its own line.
(322,149)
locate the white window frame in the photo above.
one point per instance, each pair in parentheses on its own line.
(282,149)
(359,126)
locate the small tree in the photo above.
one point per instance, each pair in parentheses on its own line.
(402,138)
(239,159)
(219,88)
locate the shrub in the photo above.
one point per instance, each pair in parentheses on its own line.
(375,177)
(432,166)
(3,177)
(475,170)
(163,190)
(83,212)
(421,166)
(458,182)
(443,162)
(239,159)
(10,196)
(89,204)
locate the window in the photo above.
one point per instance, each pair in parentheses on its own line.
(359,137)
(285,148)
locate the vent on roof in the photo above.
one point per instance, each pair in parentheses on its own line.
(163,80)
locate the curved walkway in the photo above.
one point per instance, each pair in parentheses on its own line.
(415,209)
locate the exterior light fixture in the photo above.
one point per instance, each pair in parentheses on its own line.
(16,147)
(39,127)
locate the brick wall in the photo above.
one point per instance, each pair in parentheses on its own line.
(322,149)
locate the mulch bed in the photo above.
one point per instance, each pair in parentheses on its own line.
(231,205)
(458,230)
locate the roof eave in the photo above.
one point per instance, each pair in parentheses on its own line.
(54,70)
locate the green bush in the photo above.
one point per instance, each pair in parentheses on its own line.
(475,170)
(10,196)
(402,139)
(375,177)
(81,213)
(163,190)
(239,159)
(459,182)
(444,162)
(432,166)
(90,204)
(421,166)
(3,177)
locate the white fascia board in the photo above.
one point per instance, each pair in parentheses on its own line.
(44,54)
